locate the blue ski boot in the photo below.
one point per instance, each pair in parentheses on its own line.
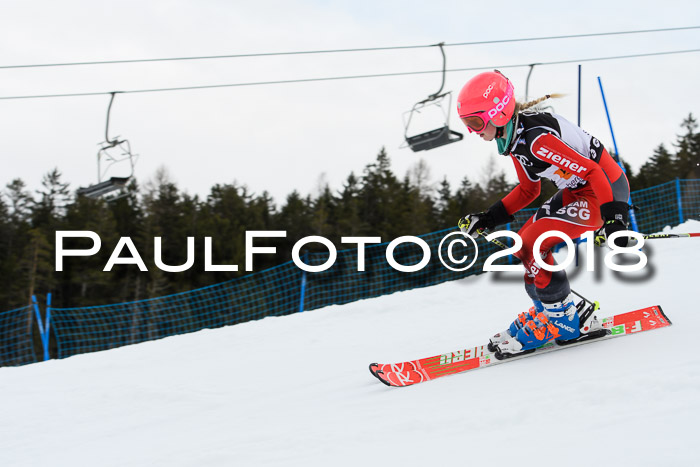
(515,326)
(564,315)
(558,321)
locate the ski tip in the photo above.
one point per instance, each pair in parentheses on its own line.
(373,368)
(379,377)
(663,314)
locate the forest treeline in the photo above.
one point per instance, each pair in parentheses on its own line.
(374,203)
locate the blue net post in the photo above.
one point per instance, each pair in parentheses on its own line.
(680,200)
(45,338)
(40,324)
(303,285)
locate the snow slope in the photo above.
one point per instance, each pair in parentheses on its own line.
(296,391)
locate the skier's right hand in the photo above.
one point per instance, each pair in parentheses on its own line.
(473,225)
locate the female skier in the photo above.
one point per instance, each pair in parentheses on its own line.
(593,194)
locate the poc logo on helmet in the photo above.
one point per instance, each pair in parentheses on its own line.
(499,107)
(488,91)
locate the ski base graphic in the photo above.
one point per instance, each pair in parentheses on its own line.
(472,358)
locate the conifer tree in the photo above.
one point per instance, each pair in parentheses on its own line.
(447,206)
(295,217)
(129,283)
(687,158)
(351,221)
(379,188)
(83,281)
(660,168)
(324,221)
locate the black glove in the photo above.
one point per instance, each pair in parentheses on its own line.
(474,224)
(614,214)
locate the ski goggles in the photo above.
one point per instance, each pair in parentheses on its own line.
(476,122)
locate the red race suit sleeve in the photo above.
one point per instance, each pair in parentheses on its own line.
(524,193)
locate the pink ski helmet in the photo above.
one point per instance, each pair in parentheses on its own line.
(487,97)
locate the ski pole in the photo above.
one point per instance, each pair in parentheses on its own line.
(681,235)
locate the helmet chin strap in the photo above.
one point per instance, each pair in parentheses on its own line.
(499,131)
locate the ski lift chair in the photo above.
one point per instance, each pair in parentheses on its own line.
(104,188)
(113,184)
(433,138)
(440,136)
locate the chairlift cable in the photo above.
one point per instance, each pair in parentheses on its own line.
(336,78)
(365,49)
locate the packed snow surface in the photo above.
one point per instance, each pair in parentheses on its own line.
(296,390)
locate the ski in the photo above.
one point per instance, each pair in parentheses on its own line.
(472,358)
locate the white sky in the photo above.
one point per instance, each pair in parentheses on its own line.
(285,137)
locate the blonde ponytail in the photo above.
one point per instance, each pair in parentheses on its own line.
(519,107)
